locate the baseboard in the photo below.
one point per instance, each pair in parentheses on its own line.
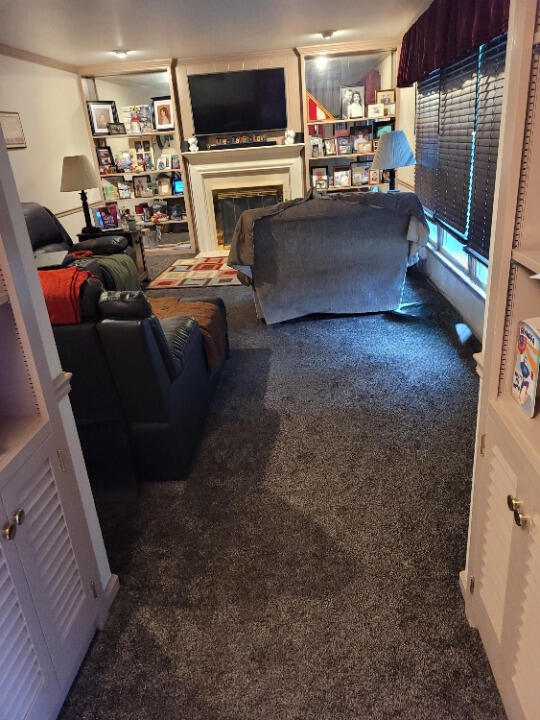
(107,599)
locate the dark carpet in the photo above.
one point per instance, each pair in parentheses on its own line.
(308,568)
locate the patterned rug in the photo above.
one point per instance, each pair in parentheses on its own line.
(200,271)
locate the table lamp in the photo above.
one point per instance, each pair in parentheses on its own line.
(78,174)
(393,152)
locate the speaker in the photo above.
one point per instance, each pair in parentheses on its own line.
(299,137)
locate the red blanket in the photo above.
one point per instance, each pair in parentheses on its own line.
(62,291)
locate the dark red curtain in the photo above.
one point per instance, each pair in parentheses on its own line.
(448,30)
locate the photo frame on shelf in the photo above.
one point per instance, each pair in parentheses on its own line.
(101,113)
(329,146)
(319,178)
(360,174)
(106,217)
(116,128)
(383,127)
(352,102)
(342,176)
(105,157)
(142,186)
(163,113)
(316,147)
(125,190)
(375,111)
(361,139)
(374,177)
(390,110)
(343,145)
(385,97)
(12,130)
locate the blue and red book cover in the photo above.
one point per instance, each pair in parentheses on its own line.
(525,380)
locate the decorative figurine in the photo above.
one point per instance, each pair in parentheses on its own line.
(289,137)
(193,144)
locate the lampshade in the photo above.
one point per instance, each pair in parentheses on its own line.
(393,151)
(77,174)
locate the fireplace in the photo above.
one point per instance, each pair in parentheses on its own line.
(229,204)
(236,179)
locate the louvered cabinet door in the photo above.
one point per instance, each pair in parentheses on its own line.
(28,685)
(61,596)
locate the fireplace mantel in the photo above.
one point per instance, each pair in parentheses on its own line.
(230,168)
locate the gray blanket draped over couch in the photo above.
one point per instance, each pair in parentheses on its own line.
(335,253)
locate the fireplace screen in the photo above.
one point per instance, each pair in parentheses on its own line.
(230,204)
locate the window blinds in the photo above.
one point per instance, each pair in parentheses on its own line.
(458,115)
(490,95)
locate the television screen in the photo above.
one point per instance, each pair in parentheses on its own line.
(234,102)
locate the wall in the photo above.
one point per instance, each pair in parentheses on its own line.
(53,121)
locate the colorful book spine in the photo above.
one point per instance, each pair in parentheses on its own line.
(525,380)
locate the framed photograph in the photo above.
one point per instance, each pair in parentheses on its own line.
(360,174)
(164,162)
(163,113)
(106,217)
(385,97)
(342,176)
(116,128)
(343,145)
(375,111)
(316,147)
(383,127)
(352,102)
(142,186)
(12,129)
(319,178)
(329,146)
(390,109)
(124,190)
(101,113)
(375,144)
(374,177)
(105,157)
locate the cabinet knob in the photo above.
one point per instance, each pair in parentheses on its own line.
(513,503)
(520,519)
(19,516)
(9,531)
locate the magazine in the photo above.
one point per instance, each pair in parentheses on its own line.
(525,378)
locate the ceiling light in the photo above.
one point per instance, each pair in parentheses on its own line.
(121,54)
(327,34)
(321,61)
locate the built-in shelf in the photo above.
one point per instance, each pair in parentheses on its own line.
(136,174)
(337,188)
(150,133)
(529,259)
(144,199)
(4,298)
(337,157)
(18,435)
(352,120)
(524,430)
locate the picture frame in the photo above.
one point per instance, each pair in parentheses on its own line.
(142,186)
(352,99)
(101,113)
(383,127)
(163,113)
(116,128)
(105,157)
(385,97)
(163,162)
(342,176)
(359,174)
(343,145)
(375,111)
(125,190)
(319,178)
(316,147)
(329,146)
(374,177)
(12,129)
(106,217)
(375,144)
(390,110)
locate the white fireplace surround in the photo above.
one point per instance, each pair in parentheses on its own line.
(232,168)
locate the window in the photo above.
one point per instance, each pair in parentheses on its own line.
(458,116)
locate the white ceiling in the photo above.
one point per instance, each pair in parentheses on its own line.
(84,32)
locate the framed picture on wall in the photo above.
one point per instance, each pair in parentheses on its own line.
(12,130)
(163,113)
(101,113)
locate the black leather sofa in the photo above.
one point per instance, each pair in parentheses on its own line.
(47,235)
(141,388)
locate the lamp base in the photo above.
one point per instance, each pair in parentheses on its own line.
(89,228)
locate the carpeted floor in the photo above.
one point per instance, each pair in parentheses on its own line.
(308,568)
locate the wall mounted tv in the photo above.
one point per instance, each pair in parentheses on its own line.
(235,102)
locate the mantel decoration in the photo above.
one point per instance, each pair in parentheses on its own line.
(193,144)
(289,137)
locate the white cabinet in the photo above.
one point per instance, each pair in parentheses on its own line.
(501,584)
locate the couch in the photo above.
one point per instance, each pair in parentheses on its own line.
(48,236)
(339,253)
(141,388)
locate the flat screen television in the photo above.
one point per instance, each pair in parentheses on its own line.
(241,101)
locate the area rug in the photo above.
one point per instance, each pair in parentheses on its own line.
(200,271)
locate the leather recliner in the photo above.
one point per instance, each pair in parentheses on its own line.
(141,388)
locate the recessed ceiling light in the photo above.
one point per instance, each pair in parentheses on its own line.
(121,54)
(327,34)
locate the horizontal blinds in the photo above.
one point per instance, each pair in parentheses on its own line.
(489,108)
(427,139)
(457,107)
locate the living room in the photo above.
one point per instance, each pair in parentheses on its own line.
(241,475)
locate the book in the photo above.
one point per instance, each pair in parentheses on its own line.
(525,379)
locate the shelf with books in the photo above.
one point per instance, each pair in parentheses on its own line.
(133,174)
(359,156)
(142,200)
(350,120)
